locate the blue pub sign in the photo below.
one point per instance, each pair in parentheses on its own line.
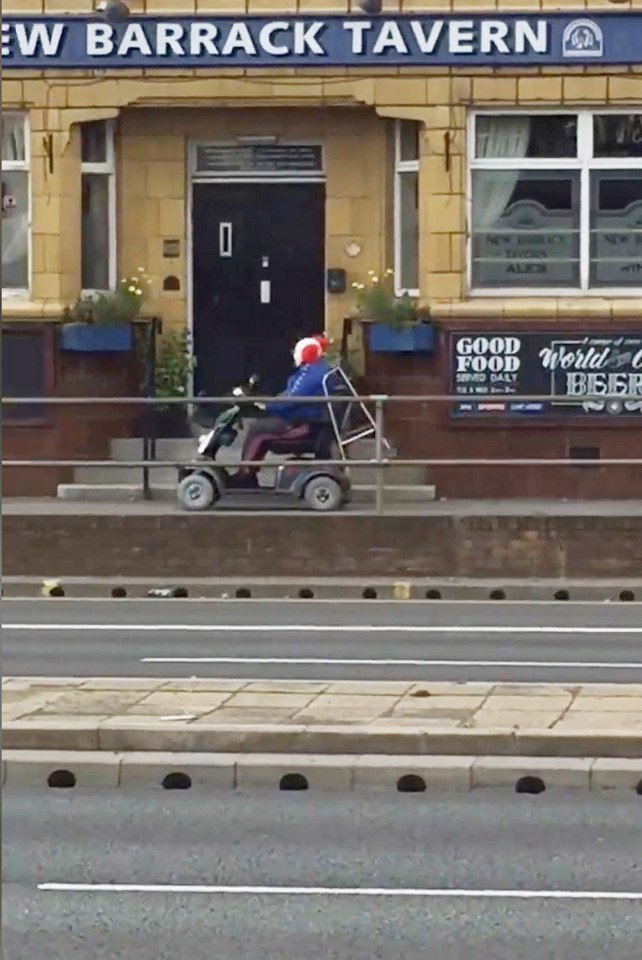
(405,41)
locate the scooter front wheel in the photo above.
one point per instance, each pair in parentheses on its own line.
(197,492)
(323,494)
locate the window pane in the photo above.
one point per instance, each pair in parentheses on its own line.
(517,137)
(616,228)
(617,135)
(408,140)
(95,231)
(15,230)
(525,228)
(408,278)
(13,137)
(93,142)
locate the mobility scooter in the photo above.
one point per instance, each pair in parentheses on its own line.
(319,487)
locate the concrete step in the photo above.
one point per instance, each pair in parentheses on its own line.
(132,449)
(106,476)
(126,492)
(361,476)
(183,449)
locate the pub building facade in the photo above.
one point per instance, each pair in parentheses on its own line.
(259,157)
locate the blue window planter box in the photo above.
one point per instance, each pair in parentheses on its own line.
(90,338)
(418,338)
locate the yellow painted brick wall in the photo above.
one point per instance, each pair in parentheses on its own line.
(153,184)
(152,157)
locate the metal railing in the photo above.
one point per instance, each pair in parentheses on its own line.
(380,462)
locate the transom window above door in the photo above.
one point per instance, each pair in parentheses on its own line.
(556,203)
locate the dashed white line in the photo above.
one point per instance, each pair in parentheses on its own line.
(425,893)
(353,662)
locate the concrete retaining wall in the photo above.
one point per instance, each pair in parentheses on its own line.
(183,545)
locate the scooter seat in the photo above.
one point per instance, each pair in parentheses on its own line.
(316,443)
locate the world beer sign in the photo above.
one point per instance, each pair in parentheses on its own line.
(585,375)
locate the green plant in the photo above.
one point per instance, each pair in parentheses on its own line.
(114,308)
(174,364)
(377,300)
(345,361)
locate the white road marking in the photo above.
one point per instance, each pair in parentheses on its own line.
(425,893)
(314,628)
(352,662)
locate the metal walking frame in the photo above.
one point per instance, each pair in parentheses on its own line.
(370,426)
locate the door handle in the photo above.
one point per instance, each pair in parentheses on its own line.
(225,239)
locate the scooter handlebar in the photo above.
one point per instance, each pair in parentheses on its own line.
(251,383)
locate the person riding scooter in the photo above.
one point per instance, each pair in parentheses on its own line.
(286,419)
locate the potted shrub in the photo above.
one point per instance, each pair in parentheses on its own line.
(396,323)
(174,365)
(102,322)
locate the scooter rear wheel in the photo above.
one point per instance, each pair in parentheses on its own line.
(197,492)
(323,494)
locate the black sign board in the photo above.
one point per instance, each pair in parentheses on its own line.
(23,369)
(259,158)
(577,369)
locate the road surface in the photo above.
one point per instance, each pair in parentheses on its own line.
(277,639)
(495,876)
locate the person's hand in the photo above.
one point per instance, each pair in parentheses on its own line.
(260,405)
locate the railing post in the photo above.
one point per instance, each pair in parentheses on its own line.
(149,438)
(380,482)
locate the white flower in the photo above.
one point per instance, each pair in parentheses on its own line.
(131,289)
(371,273)
(375,279)
(141,269)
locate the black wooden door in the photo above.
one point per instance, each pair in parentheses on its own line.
(258,280)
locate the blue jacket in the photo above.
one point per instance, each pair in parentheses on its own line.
(307,381)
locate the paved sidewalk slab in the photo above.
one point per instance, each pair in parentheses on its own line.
(244,717)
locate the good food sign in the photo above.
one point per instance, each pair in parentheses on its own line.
(599,374)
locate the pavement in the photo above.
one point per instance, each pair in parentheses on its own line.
(51,506)
(324,641)
(316,717)
(157,876)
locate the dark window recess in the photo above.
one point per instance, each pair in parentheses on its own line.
(23,372)
(584,453)
(617,135)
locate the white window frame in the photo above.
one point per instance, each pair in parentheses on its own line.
(19,293)
(586,164)
(401,167)
(107,168)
